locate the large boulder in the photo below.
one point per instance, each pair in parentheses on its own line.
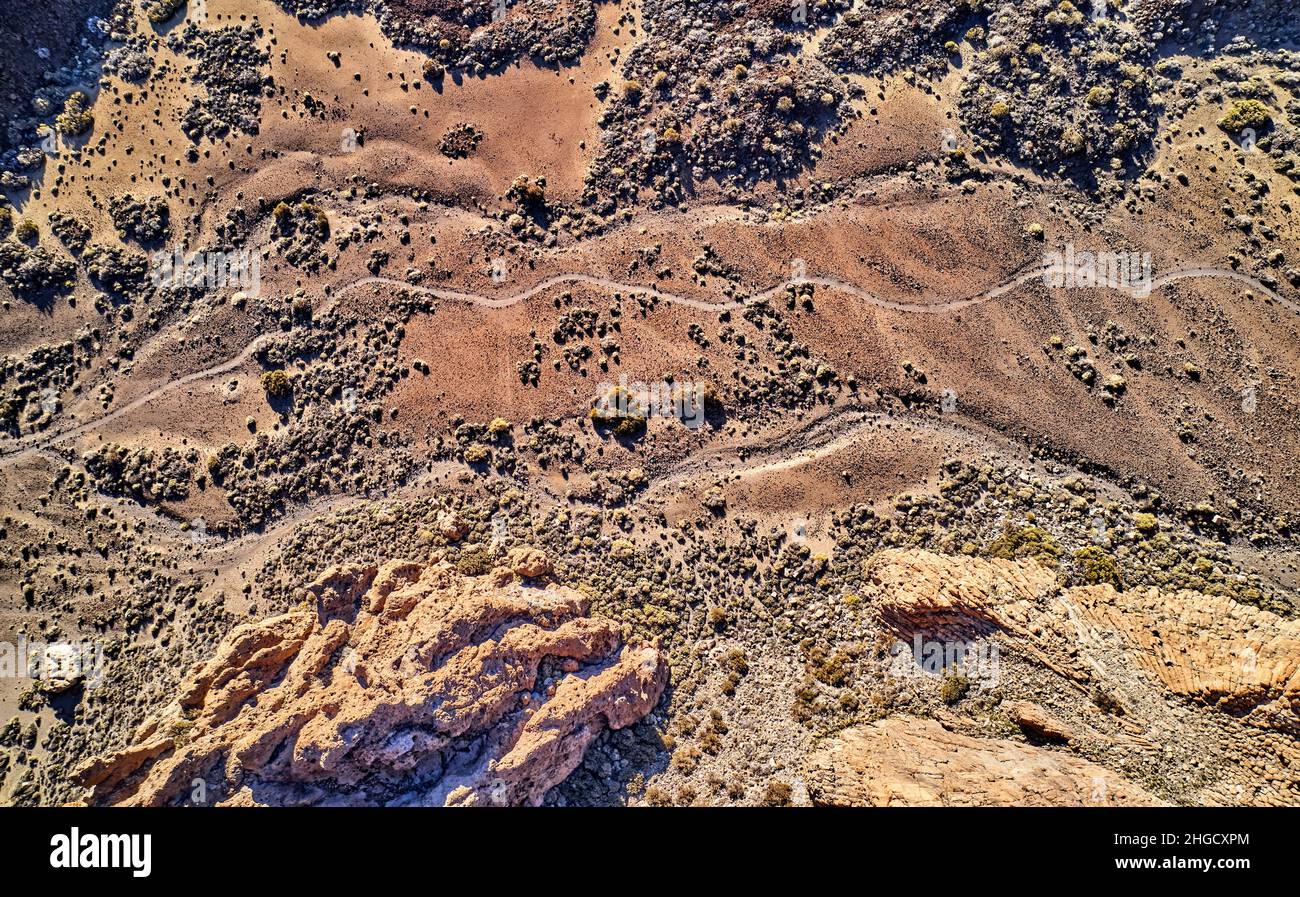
(911,762)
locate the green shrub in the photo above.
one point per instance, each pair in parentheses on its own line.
(162,10)
(620,410)
(283,215)
(474,561)
(954,688)
(1145,523)
(277,383)
(1244,114)
(1025,542)
(1096,567)
(1100,96)
(75,118)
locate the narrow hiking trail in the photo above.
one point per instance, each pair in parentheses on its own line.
(24,447)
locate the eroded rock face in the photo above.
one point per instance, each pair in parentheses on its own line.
(1141,661)
(403,684)
(907,761)
(1232,656)
(1209,648)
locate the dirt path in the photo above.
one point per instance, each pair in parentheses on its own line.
(922,307)
(23,447)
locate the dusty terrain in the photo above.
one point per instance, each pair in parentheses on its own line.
(652,403)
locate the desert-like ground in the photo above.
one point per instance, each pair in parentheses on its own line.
(396,522)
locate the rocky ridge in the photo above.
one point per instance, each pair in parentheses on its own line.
(395,684)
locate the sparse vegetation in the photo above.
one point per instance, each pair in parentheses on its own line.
(1017,542)
(277,383)
(147,221)
(741,197)
(1244,114)
(75,119)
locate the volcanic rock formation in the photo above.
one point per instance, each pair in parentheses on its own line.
(400,684)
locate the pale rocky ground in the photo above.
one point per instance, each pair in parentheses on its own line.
(1140,646)
(918,763)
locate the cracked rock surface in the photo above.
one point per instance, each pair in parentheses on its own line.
(905,761)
